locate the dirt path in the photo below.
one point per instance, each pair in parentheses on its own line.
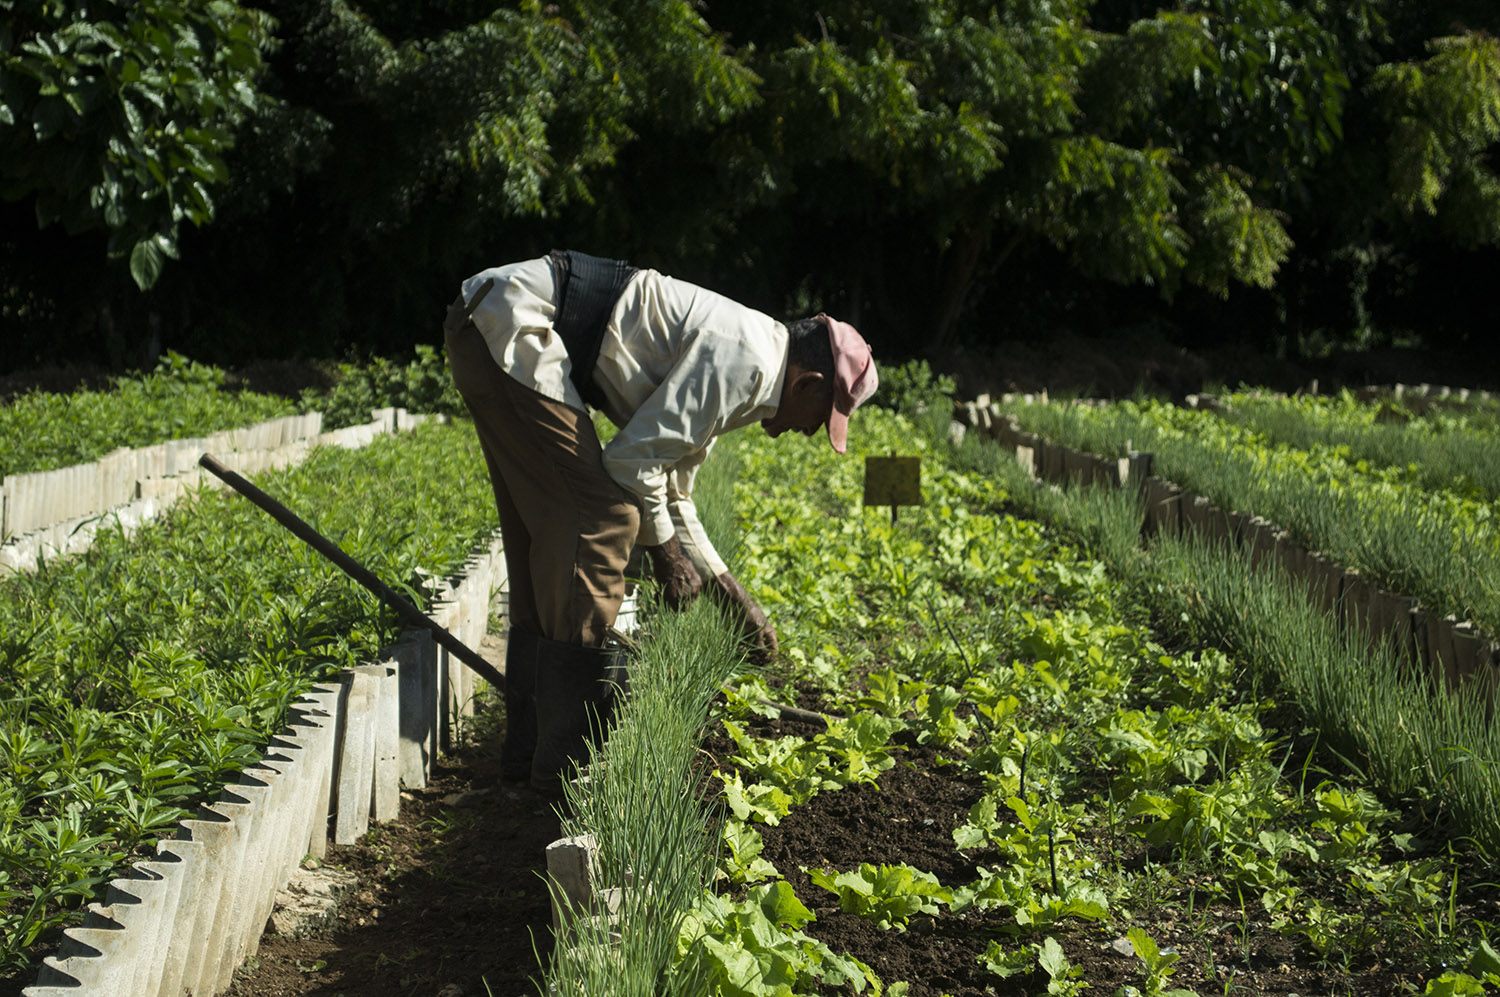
(450,899)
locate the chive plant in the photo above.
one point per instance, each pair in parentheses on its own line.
(642,801)
(644,807)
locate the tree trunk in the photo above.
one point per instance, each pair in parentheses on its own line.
(958,264)
(963,263)
(113,339)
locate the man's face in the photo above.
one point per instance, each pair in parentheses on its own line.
(804,404)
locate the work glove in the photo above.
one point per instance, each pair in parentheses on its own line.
(755,630)
(674,573)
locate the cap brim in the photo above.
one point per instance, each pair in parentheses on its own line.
(838,429)
(854,377)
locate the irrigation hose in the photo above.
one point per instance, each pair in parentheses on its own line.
(409,613)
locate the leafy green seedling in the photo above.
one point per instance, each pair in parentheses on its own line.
(1159,965)
(889,895)
(755,948)
(757,802)
(856,748)
(743,863)
(1456,984)
(1005,964)
(1064,978)
(1041,910)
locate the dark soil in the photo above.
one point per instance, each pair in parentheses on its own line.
(450,899)
(909,816)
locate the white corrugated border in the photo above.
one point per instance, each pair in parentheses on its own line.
(50,513)
(1455,652)
(185,920)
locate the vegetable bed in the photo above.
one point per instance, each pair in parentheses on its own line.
(43,431)
(139,676)
(1453,447)
(1034,781)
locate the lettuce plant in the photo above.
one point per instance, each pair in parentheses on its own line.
(889,895)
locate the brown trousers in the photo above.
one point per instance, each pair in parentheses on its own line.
(567,526)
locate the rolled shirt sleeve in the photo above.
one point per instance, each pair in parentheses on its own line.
(713,387)
(516,320)
(689,529)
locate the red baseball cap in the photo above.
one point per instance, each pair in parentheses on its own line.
(854,377)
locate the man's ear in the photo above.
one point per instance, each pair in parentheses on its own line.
(807,379)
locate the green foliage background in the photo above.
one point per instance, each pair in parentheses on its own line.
(314,177)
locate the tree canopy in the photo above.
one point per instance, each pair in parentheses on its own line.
(939,171)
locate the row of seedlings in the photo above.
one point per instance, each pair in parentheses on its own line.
(47,513)
(186,919)
(1453,650)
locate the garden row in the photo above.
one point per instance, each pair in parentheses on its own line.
(1450,454)
(146,673)
(1449,448)
(188,917)
(45,430)
(1417,564)
(1424,393)
(1041,768)
(47,513)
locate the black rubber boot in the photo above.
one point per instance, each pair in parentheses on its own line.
(576,688)
(520,706)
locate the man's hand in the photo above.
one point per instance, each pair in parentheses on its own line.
(456,317)
(459,312)
(674,573)
(755,629)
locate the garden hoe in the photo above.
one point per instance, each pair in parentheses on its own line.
(409,613)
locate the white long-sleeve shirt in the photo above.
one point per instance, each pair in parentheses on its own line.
(678,365)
